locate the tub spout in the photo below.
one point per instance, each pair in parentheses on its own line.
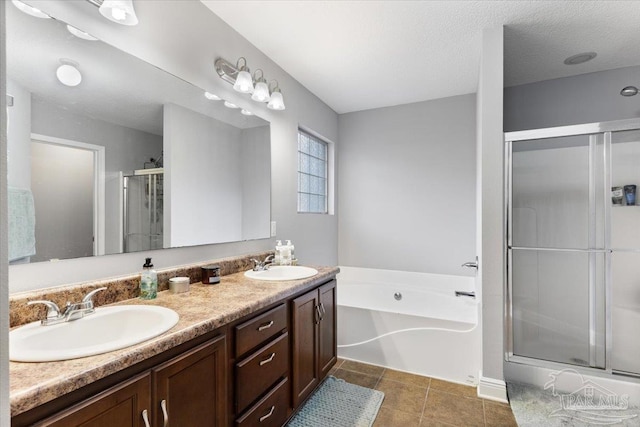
(471,264)
(471,294)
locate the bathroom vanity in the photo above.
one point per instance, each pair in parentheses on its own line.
(244,353)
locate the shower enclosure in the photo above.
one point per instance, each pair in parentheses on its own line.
(573,266)
(143,210)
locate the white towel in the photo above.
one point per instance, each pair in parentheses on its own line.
(22,224)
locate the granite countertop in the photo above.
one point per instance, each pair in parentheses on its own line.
(203,309)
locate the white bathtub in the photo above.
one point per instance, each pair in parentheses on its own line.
(428,331)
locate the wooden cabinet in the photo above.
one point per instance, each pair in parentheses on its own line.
(188,390)
(191,389)
(262,369)
(255,371)
(314,349)
(124,405)
(328,338)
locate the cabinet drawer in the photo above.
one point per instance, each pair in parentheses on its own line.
(258,330)
(259,371)
(271,411)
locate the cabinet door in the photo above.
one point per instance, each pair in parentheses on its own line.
(305,345)
(122,405)
(191,390)
(328,345)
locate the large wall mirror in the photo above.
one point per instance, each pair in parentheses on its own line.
(123,156)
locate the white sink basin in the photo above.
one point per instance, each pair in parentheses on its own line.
(108,329)
(282,272)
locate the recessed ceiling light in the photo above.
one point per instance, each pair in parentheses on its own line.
(68,73)
(230,105)
(246,112)
(580,58)
(80,34)
(211,96)
(30,10)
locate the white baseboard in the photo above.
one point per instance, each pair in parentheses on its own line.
(492,389)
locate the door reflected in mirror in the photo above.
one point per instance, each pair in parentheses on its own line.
(162,166)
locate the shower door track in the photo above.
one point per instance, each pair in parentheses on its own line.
(591,129)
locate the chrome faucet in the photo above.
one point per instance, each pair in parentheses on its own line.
(262,265)
(71,311)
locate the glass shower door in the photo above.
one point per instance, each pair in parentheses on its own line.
(143,212)
(625,246)
(556,249)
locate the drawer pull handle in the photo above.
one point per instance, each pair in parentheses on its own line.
(319,314)
(165,415)
(267,360)
(323,310)
(145,418)
(265,326)
(264,417)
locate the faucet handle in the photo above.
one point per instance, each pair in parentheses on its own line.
(257,265)
(89,296)
(53,312)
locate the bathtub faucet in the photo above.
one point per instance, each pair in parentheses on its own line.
(471,294)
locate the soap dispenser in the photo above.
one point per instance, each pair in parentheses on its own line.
(292,251)
(148,281)
(277,259)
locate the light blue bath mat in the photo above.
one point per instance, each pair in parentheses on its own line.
(339,404)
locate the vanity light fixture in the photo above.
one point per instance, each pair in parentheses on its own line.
(261,90)
(230,105)
(212,97)
(629,91)
(68,73)
(30,10)
(80,34)
(246,112)
(238,75)
(277,101)
(118,11)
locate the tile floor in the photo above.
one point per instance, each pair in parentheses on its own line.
(416,401)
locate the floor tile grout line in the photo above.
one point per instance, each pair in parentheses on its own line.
(484,413)
(424,405)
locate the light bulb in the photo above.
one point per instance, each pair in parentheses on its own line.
(118,14)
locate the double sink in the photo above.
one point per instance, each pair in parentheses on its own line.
(113,328)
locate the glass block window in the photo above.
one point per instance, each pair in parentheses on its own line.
(312,173)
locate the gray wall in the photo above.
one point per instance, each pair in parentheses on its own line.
(188,51)
(407,186)
(126,149)
(587,98)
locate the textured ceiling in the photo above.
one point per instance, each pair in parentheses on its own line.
(357,55)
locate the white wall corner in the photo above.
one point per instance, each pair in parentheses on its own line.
(492,389)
